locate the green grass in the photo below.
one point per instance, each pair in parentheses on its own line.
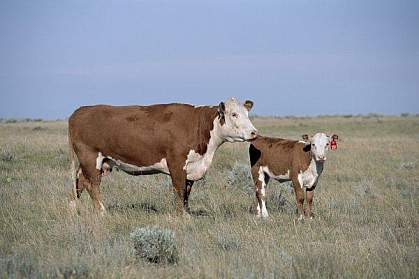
(366,206)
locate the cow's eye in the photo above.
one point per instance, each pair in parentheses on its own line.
(327,144)
(235,115)
(313,144)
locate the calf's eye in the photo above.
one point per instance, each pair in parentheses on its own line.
(235,115)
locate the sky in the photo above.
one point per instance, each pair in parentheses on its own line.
(290,57)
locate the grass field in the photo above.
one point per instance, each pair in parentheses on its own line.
(366,206)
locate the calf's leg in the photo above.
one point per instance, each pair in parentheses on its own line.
(299,196)
(260,178)
(309,197)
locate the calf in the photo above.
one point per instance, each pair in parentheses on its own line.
(301,162)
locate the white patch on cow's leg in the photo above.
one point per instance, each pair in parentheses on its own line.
(301,218)
(99,161)
(258,210)
(262,193)
(102,209)
(264,210)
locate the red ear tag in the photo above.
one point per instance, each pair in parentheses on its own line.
(333,144)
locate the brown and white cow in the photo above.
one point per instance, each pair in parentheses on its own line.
(179,140)
(301,162)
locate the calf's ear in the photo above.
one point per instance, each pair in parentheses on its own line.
(307,147)
(305,137)
(248,105)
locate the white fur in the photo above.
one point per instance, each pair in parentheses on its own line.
(196,165)
(99,160)
(237,126)
(102,209)
(309,177)
(262,211)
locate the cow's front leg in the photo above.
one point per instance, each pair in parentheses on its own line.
(309,197)
(299,197)
(188,189)
(178,175)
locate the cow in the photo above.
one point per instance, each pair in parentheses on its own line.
(179,140)
(300,162)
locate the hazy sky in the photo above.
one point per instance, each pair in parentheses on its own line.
(290,57)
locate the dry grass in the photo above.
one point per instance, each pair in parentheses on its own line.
(366,207)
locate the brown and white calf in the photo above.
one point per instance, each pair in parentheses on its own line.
(301,162)
(179,140)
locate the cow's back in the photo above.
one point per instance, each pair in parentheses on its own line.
(138,134)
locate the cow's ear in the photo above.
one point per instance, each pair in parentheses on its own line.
(305,138)
(248,105)
(221,111)
(307,147)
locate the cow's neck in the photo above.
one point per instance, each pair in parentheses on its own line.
(215,140)
(316,166)
(196,164)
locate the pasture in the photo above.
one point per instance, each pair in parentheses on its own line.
(366,207)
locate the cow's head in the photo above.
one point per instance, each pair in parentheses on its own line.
(234,120)
(319,144)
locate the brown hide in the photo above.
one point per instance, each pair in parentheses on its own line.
(141,135)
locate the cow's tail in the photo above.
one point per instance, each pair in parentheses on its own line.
(74,169)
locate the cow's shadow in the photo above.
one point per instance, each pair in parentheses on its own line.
(200,212)
(140,206)
(151,208)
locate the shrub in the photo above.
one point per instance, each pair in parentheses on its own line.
(155,245)
(11,120)
(228,242)
(241,178)
(38,128)
(6,156)
(408,165)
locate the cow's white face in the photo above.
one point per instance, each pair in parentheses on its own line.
(235,122)
(319,146)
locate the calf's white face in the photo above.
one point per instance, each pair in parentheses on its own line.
(319,146)
(237,125)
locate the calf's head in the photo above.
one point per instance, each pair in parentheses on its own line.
(234,119)
(319,145)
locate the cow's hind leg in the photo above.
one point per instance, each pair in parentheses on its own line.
(90,178)
(74,180)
